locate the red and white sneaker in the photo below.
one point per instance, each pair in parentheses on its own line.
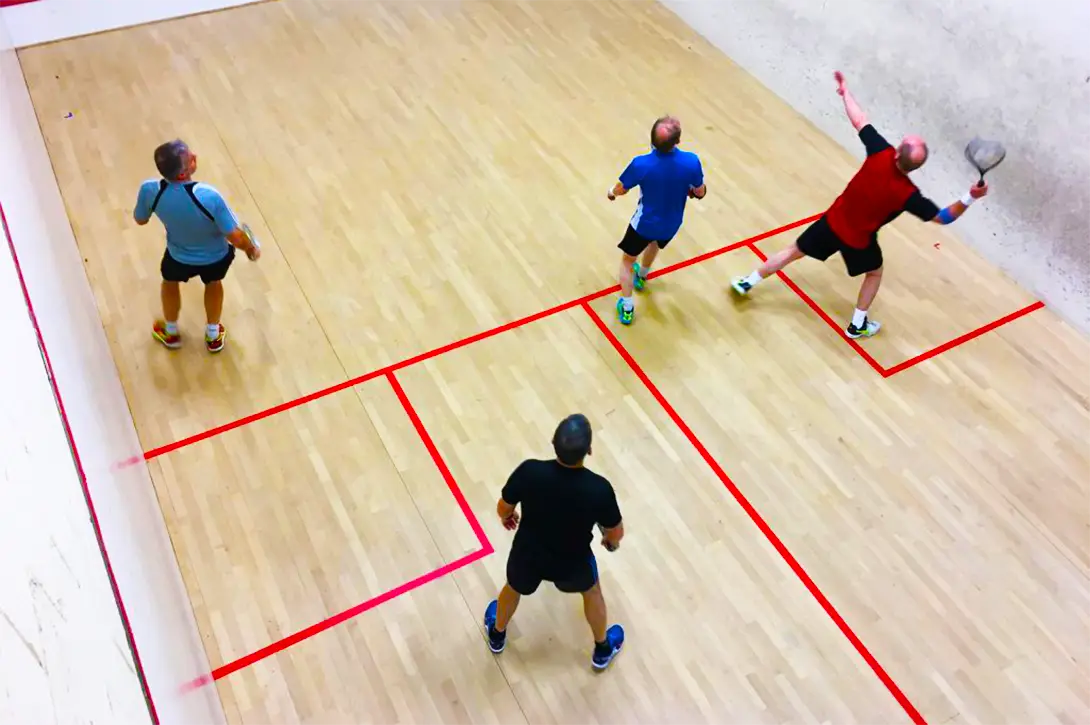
(159,332)
(216,344)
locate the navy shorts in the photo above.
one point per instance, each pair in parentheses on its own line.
(527,569)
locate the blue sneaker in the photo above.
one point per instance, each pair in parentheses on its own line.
(496,640)
(637,281)
(614,640)
(625,316)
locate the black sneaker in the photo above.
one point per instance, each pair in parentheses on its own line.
(869,329)
(614,641)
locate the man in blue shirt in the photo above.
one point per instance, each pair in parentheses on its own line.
(667,178)
(202,233)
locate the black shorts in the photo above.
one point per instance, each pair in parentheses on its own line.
(634,243)
(820,242)
(174,271)
(526,570)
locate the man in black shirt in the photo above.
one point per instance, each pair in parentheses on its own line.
(561,502)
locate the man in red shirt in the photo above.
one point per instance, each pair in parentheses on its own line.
(878,193)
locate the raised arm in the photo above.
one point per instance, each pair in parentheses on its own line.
(951,213)
(926,210)
(855,113)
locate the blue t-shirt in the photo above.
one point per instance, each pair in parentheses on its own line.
(664,180)
(192,238)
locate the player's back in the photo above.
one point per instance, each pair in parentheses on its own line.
(560,507)
(193,236)
(664,180)
(874,196)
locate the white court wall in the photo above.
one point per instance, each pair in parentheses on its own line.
(64,654)
(1008,69)
(43,21)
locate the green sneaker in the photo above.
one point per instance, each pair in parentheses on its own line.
(625,316)
(637,281)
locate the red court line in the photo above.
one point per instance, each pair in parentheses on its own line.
(211,432)
(303,634)
(10,3)
(754,516)
(280,645)
(902,366)
(486,545)
(963,339)
(80,472)
(823,315)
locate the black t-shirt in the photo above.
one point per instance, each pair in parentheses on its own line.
(917,205)
(560,507)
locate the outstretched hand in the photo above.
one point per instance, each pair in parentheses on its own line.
(841,86)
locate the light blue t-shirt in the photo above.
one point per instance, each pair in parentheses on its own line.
(664,180)
(192,238)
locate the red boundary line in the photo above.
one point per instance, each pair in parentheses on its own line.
(761,524)
(899,367)
(310,397)
(822,314)
(80,472)
(13,3)
(906,364)
(486,550)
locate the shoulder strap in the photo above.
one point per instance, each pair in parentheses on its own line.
(193,196)
(162,187)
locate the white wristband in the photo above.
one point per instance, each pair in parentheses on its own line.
(967,200)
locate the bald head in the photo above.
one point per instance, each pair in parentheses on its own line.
(911,154)
(666,134)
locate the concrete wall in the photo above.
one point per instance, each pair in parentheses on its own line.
(64,653)
(1007,69)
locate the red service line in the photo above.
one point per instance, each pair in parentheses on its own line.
(902,366)
(761,524)
(169,447)
(962,339)
(823,315)
(319,627)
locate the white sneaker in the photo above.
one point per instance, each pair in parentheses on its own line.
(869,329)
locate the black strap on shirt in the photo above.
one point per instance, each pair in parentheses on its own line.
(163,184)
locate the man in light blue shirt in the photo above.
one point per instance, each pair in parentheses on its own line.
(667,178)
(202,233)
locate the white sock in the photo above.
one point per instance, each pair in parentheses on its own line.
(626,302)
(172,328)
(212,331)
(753,278)
(859,318)
(644,270)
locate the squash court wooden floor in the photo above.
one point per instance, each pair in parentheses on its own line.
(818,532)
